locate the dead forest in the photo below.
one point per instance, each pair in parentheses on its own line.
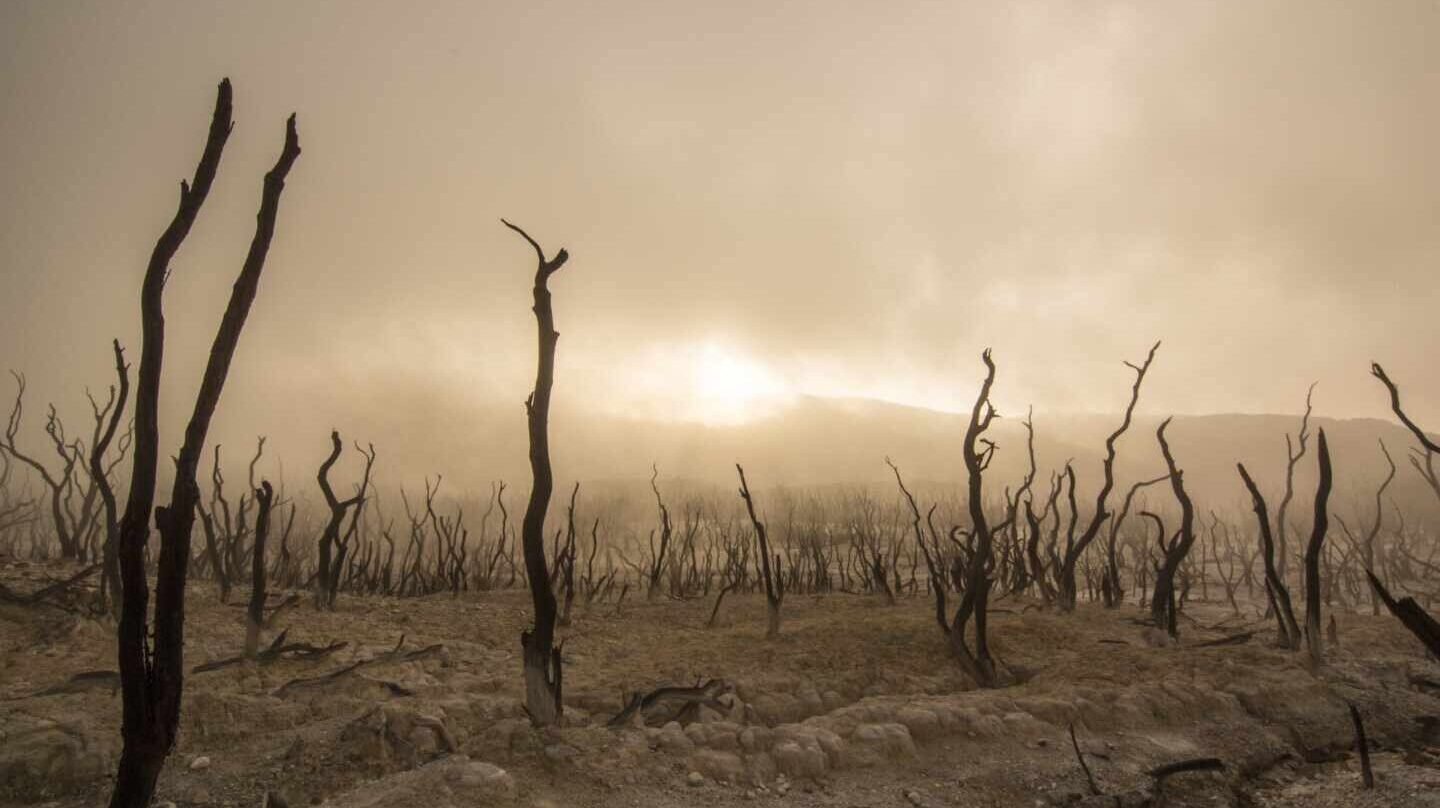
(995,585)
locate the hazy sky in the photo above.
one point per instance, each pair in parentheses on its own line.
(761,200)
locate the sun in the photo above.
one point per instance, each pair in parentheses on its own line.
(729,387)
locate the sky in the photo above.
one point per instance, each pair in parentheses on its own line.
(762,201)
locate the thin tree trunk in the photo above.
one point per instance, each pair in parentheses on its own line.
(542,667)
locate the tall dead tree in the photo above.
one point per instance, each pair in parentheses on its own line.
(1278,594)
(1073,550)
(774,581)
(1163,607)
(543,674)
(1314,640)
(978,451)
(152,672)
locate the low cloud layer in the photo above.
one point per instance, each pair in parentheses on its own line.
(761,203)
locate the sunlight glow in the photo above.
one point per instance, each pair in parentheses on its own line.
(729,387)
(710,381)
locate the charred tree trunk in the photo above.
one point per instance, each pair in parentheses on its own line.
(152,677)
(1289,630)
(109,551)
(543,674)
(975,658)
(332,549)
(1163,608)
(774,582)
(1314,641)
(1074,550)
(255,617)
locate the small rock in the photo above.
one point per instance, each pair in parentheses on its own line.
(201,762)
(914,797)
(695,779)
(560,754)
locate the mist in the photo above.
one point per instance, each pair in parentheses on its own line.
(764,203)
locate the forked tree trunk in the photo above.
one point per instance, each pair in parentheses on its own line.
(1163,604)
(152,677)
(975,658)
(1066,596)
(543,674)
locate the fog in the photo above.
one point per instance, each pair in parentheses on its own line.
(765,203)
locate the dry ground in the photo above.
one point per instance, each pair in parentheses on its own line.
(856,704)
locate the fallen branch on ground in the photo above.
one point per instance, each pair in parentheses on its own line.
(395,655)
(277,649)
(666,704)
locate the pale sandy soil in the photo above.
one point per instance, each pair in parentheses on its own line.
(856,704)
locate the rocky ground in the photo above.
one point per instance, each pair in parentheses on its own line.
(856,704)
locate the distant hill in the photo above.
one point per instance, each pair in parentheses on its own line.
(816,441)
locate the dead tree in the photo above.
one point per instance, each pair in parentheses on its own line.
(1423,460)
(543,674)
(255,616)
(333,548)
(1278,594)
(1075,549)
(774,583)
(565,559)
(1111,589)
(57,482)
(110,568)
(1314,640)
(1370,551)
(1293,457)
(152,672)
(1163,607)
(217,546)
(978,451)
(657,557)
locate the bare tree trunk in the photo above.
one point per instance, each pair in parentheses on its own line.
(543,674)
(110,571)
(975,658)
(1292,458)
(1289,630)
(264,496)
(1163,607)
(1314,640)
(1074,550)
(774,582)
(152,678)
